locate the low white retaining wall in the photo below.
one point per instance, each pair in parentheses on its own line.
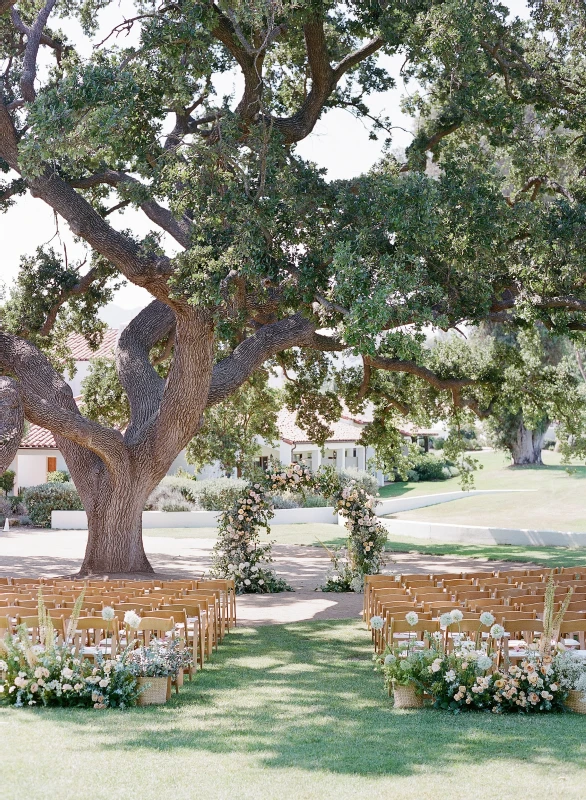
(476,534)
(77,520)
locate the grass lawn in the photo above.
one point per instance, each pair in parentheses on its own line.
(557,500)
(289,712)
(548,556)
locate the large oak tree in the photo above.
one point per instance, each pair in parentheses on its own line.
(274,262)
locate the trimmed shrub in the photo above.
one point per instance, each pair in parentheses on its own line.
(7,480)
(316,501)
(286,500)
(219,494)
(5,507)
(185,486)
(167,498)
(430,468)
(59,476)
(438,442)
(41,500)
(363,480)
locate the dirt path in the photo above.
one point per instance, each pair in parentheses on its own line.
(34,552)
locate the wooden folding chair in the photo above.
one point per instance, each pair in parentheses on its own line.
(34,629)
(10,598)
(572,631)
(212,610)
(181,630)
(228,590)
(93,635)
(399,630)
(522,633)
(390,611)
(149,628)
(453,583)
(486,605)
(196,627)
(7,624)
(468,595)
(372,582)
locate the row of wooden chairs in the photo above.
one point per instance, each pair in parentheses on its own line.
(200,611)
(510,648)
(515,599)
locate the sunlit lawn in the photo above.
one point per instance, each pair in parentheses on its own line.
(285,712)
(554,499)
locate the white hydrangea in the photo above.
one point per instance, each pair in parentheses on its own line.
(446,620)
(484,662)
(132,619)
(412,617)
(108,613)
(456,615)
(377,623)
(497,631)
(487,618)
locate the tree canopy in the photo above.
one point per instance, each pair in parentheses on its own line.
(483,219)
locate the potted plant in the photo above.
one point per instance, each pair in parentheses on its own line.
(572,677)
(153,670)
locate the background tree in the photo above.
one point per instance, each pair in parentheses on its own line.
(230,429)
(274,259)
(539,386)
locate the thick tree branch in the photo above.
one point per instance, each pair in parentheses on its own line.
(179,229)
(400,365)
(232,371)
(48,400)
(187,387)
(11,421)
(33,35)
(150,272)
(141,382)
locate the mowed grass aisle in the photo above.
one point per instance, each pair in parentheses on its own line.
(289,712)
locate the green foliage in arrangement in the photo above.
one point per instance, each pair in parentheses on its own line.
(41,500)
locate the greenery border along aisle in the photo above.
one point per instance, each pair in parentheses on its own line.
(240,555)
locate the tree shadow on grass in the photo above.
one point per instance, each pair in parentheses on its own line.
(305,696)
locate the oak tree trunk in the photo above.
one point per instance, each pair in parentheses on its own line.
(115,542)
(526,445)
(114,507)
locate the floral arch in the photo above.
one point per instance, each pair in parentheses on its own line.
(239,553)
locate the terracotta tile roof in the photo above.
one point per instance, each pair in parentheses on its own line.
(361,418)
(81,351)
(346,429)
(341,431)
(37,438)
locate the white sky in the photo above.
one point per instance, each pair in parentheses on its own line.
(339,143)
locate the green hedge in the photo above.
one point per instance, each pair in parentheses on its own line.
(41,500)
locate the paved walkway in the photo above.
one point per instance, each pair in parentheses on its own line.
(48,553)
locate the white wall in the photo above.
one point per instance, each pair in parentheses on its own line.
(31,467)
(77,520)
